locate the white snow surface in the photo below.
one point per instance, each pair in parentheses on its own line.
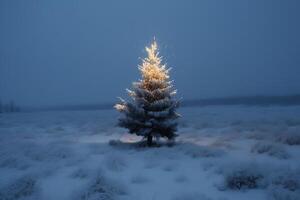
(220,150)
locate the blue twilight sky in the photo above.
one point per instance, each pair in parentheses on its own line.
(55,52)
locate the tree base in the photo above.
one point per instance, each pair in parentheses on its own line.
(149,140)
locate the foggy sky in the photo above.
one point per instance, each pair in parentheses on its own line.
(59,52)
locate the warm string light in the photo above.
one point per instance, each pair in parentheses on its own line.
(151,68)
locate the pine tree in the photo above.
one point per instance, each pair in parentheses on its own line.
(152,110)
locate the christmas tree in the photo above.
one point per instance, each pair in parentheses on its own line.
(152,111)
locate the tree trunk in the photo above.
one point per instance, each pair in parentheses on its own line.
(149,140)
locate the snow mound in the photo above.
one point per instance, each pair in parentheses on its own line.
(291,137)
(270,149)
(100,188)
(243,176)
(23,188)
(285,185)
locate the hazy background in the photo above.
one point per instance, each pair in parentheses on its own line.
(60,52)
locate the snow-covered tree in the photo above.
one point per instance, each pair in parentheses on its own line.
(152,110)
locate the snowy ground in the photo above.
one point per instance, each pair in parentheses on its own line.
(222,153)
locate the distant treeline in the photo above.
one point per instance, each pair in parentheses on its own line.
(245,100)
(9,107)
